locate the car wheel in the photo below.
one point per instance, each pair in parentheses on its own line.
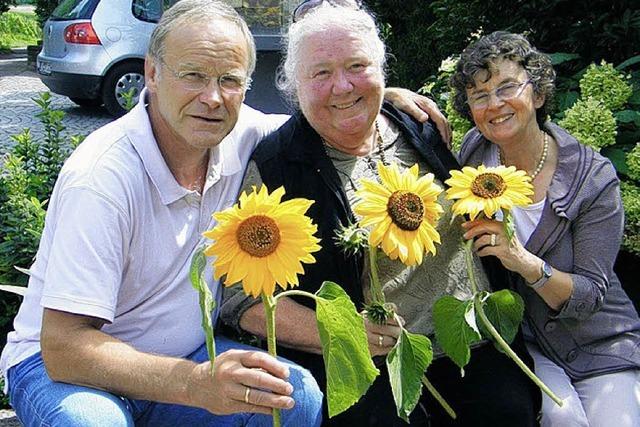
(87,103)
(121,79)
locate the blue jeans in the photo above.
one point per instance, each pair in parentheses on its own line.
(39,401)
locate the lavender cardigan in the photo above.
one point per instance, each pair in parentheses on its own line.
(597,330)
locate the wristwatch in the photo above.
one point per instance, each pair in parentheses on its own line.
(547,271)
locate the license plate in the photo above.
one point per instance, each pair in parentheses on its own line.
(44,68)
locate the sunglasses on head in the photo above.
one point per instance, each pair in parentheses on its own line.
(308,5)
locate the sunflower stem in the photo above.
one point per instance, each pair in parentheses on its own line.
(438,397)
(478,305)
(505,347)
(292,293)
(468,257)
(270,310)
(376,290)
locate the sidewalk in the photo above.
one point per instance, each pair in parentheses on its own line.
(8,419)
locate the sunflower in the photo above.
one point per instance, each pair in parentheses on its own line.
(261,241)
(402,210)
(488,190)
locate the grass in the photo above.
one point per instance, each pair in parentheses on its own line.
(18,30)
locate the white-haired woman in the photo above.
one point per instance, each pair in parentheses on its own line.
(334,72)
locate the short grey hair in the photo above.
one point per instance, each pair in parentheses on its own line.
(327,16)
(193,12)
(484,53)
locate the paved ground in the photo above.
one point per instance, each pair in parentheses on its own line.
(18,85)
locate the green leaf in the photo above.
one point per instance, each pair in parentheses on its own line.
(631,61)
(560,57)
(504,309)
(453,328)
(347,361)
(628,116)
(207,303)
(406,363)
(617,157)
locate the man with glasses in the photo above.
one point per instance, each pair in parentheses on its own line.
(109,332)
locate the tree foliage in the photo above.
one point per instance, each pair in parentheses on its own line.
(421,34)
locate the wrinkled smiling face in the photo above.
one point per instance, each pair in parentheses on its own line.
(509,120)
(198,118)
(339,87)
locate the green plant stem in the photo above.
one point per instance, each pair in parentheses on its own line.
(438,397)
(294,292)
(376,289)
(270,310)
(495,334)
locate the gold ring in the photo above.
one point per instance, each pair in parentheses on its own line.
(493,240)
(246,395)
(380,340)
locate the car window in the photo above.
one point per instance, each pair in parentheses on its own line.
(74,9)
(150,10)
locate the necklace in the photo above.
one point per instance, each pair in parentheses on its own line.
(543,157)
(371,163)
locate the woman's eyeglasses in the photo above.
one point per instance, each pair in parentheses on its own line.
(504,92)
(308,5)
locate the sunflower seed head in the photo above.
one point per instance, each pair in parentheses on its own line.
(351,238)
(378,312)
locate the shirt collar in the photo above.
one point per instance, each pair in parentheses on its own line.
(223,159)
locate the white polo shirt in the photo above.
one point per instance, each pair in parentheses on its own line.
(120,232)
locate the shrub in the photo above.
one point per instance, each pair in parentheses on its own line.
(633,162)
(591,122)
(18,29)
(631,201)
(27,175)
(605,83)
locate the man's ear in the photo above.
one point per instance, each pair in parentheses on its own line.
(150,74)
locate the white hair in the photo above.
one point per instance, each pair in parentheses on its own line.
(194,12)
(327,17)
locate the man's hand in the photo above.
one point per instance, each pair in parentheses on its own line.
(239,377)
(420,108)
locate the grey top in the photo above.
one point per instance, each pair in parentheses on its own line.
(413,289)
(597,330)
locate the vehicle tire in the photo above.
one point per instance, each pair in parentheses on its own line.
(118,81)
(87,103)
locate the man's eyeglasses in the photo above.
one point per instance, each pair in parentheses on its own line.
(504,92)
(196,81)
(307,5)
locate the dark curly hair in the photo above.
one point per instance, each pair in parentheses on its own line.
(482,54)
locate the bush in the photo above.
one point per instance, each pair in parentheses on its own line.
(591,123)
(605,83)
(18,29)
(27,175)
(633,163)
(631,201)
(44,8)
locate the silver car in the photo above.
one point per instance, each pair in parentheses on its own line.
(93,50)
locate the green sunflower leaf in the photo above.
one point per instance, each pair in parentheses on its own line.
(207,303)
(406,363)
(454,324)
(347,361)
(504,309)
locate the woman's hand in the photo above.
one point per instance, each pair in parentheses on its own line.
(382,338)
(420,108)
(512,254)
